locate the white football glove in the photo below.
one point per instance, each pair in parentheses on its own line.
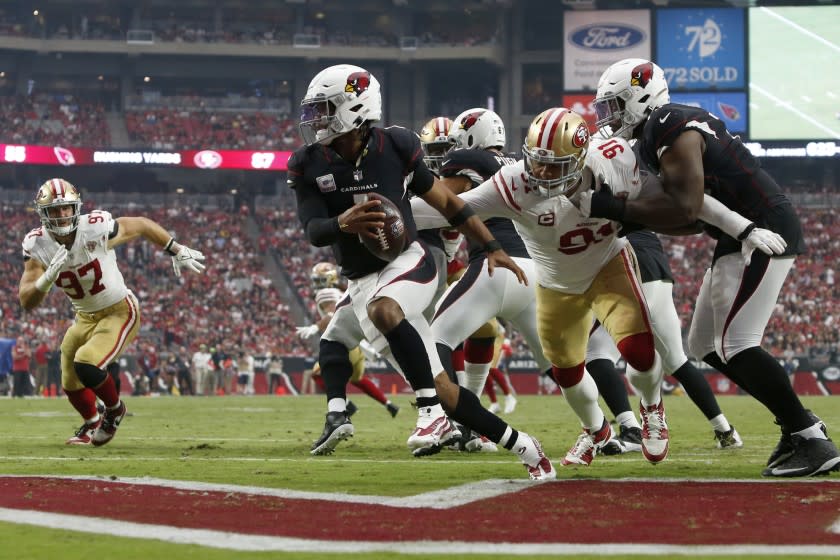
(305,333)
(766,241)
(369,351)
(47,279)
(187,258)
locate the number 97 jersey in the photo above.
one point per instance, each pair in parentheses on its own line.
(90,277)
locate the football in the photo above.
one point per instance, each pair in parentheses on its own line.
(390,240)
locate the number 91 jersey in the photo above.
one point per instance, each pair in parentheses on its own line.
(90,277)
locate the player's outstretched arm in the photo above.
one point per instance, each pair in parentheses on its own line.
(461,216)
(131,228)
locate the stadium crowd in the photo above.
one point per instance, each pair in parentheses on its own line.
(235,306)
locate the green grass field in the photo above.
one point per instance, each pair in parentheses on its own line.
(794,83)
(264,441)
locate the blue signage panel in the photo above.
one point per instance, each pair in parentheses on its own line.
(731,108)
(701,48)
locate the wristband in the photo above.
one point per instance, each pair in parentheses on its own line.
(492,245)
(42,284)
(461,216)
(168,247)
(747,231)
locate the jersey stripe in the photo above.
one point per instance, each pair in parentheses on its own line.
(504,192)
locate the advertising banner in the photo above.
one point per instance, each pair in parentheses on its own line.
(731,108)
(196,159)
(595,39)
(582,105)
(701,48)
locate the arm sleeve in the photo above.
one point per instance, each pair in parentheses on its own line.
(321,229)
(714,213)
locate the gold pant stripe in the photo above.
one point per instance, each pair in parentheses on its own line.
(125,330)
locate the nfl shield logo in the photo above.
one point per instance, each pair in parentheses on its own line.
(91,245)
(357,175)
(326,183)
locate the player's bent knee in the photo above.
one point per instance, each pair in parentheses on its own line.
(385,313)
(568,376)
(90,375)
(638,350)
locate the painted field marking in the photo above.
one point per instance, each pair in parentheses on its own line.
(237,541)
(801,29)
(789,106)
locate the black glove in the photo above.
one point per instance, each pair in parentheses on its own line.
(605,205)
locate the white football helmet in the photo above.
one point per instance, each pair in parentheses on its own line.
(53,194)
(555,149)
(434,138)
(339,99)
(628,92)
(478,129)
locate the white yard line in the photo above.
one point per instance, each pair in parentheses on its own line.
(790,107)
(801,29)
(236,541)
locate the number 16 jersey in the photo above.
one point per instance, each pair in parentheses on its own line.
(90,277)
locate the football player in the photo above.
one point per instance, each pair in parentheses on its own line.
(75,252)
(582,266)
(434,140)
(692,151)
(327,299)
(601,355)
(467,311)
(346,155)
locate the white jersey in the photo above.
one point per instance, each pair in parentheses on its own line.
(568,249)
(90,277)
(326,296)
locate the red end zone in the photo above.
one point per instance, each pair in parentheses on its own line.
(679,512)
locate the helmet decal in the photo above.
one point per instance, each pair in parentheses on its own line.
(358,83)
(581,136)
(641,74)
(469,120)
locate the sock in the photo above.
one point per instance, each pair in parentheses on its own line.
(446,357)
(698,390)
(458,363)
(410,353)
(583,398)
(84,401)
(336,404)
(490,390)
(471,414)
(768,382)
(714,360)
(336,369)
(500,378)
(720,423)
(611,386)
(475,376)
(627,419)
(648,383)
(371,389)
(107,392)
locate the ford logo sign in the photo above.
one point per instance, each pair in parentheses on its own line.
(606,36)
